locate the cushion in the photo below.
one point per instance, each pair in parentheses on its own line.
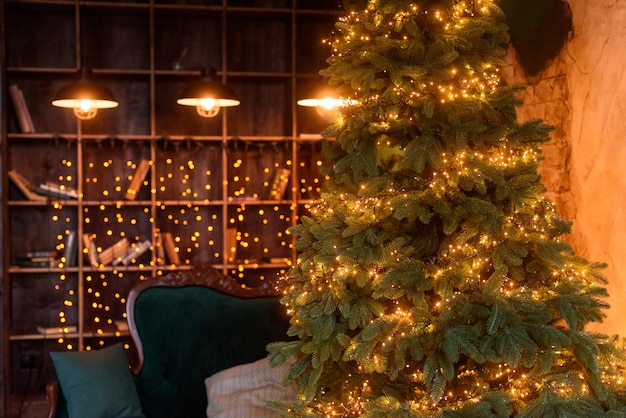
(243,391)
(97,384)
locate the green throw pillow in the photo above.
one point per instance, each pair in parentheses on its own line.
(97,384)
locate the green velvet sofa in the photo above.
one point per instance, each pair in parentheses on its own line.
(186,326)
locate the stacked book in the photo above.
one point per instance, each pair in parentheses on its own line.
(43,191)
(122,252)
(56,191)
(42,258)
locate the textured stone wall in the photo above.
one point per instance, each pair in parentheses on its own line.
(583,94)
(546,97)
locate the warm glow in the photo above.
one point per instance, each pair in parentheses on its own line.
(85,109)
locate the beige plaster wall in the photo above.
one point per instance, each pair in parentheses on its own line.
(596,61)
(583,93)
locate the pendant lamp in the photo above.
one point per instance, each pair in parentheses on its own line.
(84,96)
(207,95)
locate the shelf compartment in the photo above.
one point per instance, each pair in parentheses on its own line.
(188,171)
(258,42)
(196,232)
(265,109)
(187,40)
(172,119)
(106,227)
(41,34)
(254,167)
(105,295)
(42,299)
(109,166)
(259,233)
(114,33)
(39,90)
(39,164)
(310,179)
(131,117)
(42,229)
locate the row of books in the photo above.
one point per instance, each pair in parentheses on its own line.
(43,191)
(41,258)
(277,186)
(59,191)
(122,252)
(50,258)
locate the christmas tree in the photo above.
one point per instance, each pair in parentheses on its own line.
(433,279)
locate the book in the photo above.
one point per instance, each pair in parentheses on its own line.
(89,248)
(170,248)
(114,252)
(59,189)
(59,329)
(37,262)
(134,252)
(35,254)
(70,249)
(278,184)
(55,193)
(159,248)
(138,177)
(25,186)
(231,244)
(24,119)
(39,259)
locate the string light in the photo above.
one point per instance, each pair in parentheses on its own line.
(186,197)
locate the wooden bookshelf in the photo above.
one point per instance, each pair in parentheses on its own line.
(206,176)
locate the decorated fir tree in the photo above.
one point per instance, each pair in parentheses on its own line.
(432,278)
